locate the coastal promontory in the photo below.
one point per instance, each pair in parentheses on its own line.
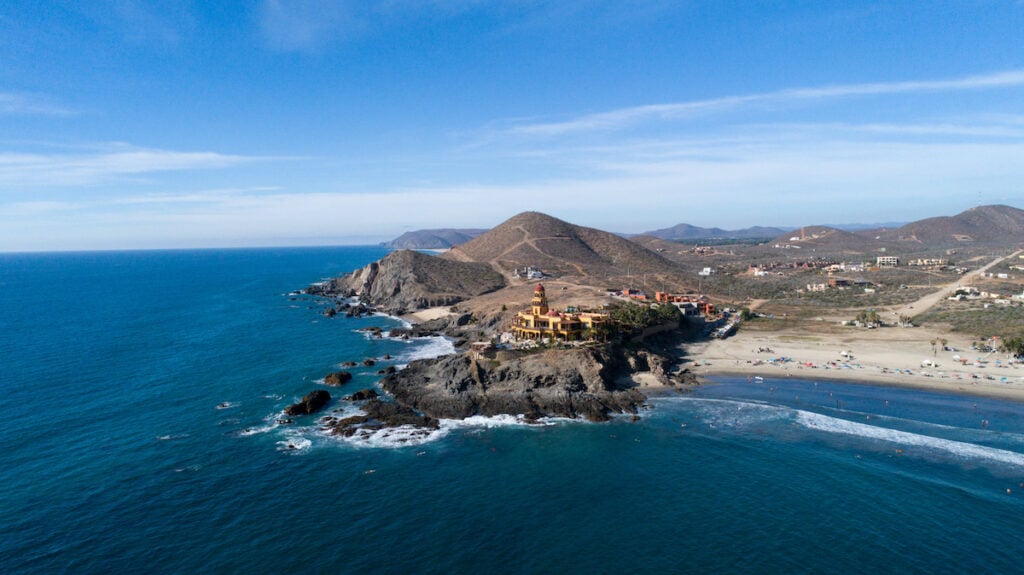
(589,382)
(407,280)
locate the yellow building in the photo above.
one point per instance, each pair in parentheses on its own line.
(540,321)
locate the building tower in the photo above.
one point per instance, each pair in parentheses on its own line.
(539,303)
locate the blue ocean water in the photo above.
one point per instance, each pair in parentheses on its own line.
(140,392)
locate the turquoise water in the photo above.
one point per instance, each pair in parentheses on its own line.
(117,457)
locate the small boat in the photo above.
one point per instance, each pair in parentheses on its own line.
(758,379)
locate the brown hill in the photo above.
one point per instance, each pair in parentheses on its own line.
(560,248)
(407,280)
(827,239)
(981,225)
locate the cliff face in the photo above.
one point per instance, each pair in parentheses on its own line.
(574,383)
(407,280)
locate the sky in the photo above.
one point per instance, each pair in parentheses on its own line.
(128,124)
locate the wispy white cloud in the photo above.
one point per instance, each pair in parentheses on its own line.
(795,180)
(626,117)
(17,104)
(19,169)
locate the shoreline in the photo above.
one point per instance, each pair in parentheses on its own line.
(890,357)
(887,357)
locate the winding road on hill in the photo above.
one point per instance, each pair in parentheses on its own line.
(529,240)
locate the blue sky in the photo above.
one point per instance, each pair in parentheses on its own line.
(169,123)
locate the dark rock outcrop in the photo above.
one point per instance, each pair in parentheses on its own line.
(311,403)
(379,414)
(573,383)
(337,378)
(361,395)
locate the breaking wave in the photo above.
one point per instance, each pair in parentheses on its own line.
(959,449)
(734,414)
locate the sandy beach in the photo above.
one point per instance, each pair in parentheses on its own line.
(425,315)
(894,356)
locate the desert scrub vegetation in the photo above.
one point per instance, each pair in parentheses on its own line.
(973,318)
(857,297)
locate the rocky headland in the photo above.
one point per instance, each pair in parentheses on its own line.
(590,382)
(479,292)
(407,280)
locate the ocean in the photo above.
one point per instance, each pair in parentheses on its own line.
(140,398)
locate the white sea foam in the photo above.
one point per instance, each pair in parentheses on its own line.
(391,437)
(408,435)
(483,421)
(425,348)
(172,437)
(248,431)
(960,449)
(295,444)
(724,413)
(732,413)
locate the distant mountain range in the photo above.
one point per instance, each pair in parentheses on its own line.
(996,224)
(406,280)
(687,232)
(438,239)
(983,225)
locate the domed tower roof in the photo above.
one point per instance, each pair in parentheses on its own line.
(539,303)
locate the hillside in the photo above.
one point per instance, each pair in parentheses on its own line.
(438,239)
(408,280)
(827,239)
(687,232)
(981,225)
(559,248)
